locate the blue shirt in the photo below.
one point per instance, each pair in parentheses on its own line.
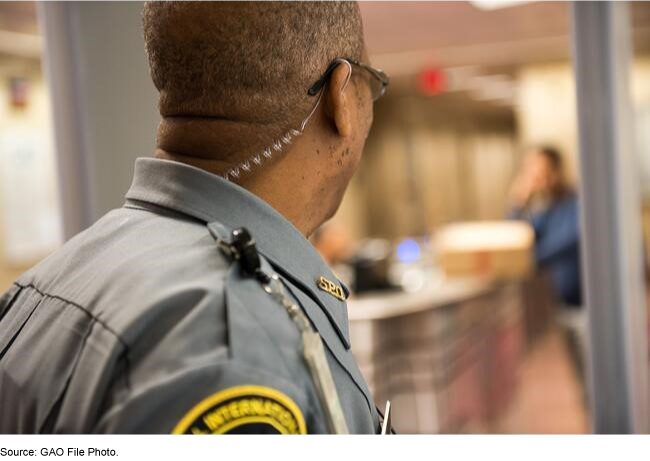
(557,246)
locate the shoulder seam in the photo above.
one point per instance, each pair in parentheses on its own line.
(14,296)
(81,308)
(158,210)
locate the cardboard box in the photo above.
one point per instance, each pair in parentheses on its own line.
(495,249)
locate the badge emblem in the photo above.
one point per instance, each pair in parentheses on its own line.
(244,409)
(331,288)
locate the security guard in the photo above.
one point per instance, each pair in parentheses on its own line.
(199,306)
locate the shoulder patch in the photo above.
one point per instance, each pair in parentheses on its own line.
(244,409)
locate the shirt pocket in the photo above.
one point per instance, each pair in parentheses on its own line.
(17,306)
(41,339)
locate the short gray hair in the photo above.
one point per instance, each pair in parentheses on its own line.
(248,61)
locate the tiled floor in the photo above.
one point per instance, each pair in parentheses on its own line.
(550,399)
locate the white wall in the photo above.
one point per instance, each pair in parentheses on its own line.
(546,110)
(641,97)
(30,224)
(120,99)
(104,100)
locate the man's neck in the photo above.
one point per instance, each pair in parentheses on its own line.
(291,197)
(283,182)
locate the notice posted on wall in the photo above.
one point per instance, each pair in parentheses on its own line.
(30,224)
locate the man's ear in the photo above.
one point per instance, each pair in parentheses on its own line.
(337,103)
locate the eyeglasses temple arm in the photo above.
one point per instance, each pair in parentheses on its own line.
(320,84)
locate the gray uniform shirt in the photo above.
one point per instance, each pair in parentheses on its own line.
(140,324)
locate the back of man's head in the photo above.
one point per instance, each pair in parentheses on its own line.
(251,62)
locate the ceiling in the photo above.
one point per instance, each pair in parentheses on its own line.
(479,49)
(402,37)
(19,34)
(18,17)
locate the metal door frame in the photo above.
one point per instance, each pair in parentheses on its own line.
(610,207)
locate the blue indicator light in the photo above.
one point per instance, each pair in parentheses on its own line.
(408,251)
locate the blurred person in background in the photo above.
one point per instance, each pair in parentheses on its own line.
(333,243)
(541,195)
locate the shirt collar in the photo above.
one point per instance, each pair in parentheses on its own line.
(209,198)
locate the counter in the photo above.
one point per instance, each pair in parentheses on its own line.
(446,356)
